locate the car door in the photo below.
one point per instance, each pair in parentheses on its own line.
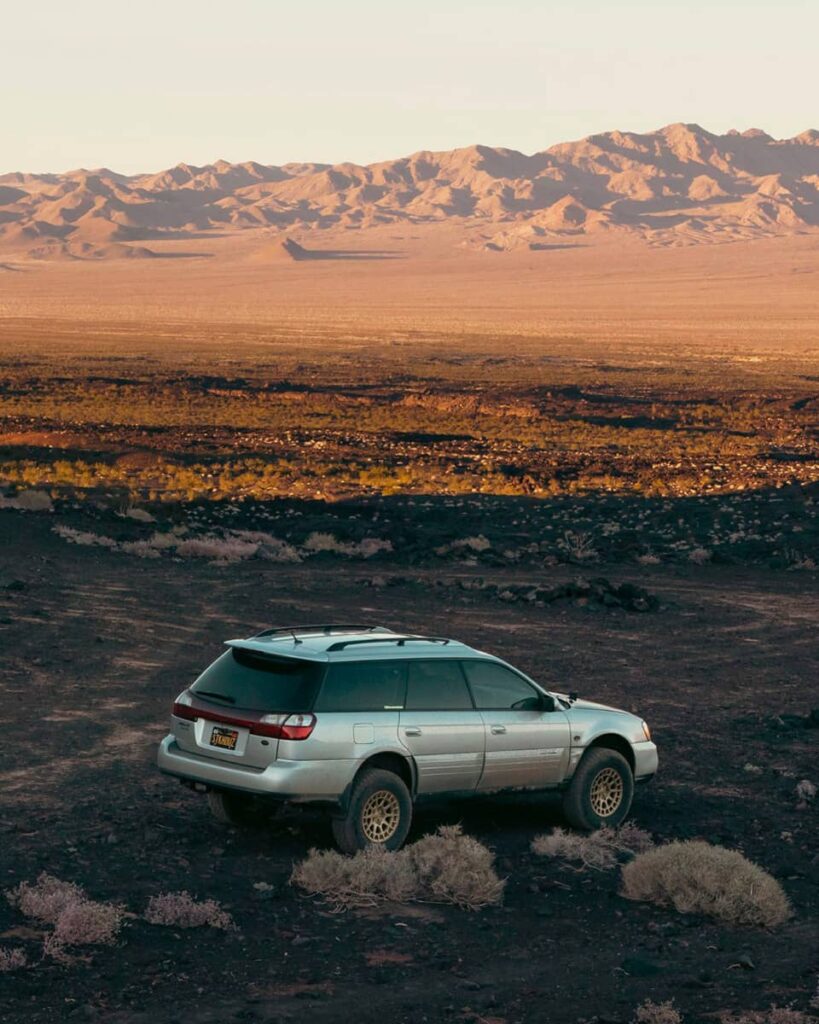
(441,728)
(526,746)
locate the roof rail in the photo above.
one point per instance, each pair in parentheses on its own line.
(327,628)
(339,645)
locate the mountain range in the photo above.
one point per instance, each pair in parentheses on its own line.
(679,185)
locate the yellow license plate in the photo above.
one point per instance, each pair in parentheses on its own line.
(224,738)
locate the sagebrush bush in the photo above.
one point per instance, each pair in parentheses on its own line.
(657,1013)
(45,899)
(12,959)
(695,877)
(447,867)
(773,1015)
(76,919)
(181,910)
(599,850)
(84,923)
(455,868)
(220,549)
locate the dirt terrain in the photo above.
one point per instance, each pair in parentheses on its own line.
(96,644)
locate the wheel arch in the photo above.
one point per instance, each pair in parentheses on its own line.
(613,741)
(388,760)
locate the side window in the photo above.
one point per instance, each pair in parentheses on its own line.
(363,686)
(497,688)
(436,686)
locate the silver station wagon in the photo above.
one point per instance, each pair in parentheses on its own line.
(366,720)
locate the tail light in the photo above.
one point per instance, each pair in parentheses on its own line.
(298,727)
(285,727)
(184,711)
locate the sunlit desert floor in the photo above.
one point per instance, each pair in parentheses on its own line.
(242,297)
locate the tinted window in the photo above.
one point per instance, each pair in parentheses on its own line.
(497,687)
(363,686)
(436,686)
(259,682)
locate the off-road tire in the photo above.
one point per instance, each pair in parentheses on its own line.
(375,792)
(588,791)
(231,808)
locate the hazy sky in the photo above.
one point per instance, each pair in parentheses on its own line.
(140,86)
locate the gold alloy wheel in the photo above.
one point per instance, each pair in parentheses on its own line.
(380,816)
(606,792)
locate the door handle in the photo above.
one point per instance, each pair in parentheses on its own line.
(412,731)
(498,730)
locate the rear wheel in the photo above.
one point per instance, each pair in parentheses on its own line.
(601,791)
(232,808)
(379,813)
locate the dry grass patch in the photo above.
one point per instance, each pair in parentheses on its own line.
(76,920)
(600,850)
(774,1015)
(657,1013)
(697,878)
(447,867)
(181,910)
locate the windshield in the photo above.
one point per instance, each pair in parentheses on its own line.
(259,682)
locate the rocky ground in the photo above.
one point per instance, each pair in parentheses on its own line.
(721,659)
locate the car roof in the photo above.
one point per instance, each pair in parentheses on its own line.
(342,644)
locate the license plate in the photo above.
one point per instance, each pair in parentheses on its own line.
(224,738)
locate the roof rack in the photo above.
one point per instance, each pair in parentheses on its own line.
(339,645)
(327,628)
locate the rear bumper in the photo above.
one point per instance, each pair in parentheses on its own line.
(645,761)
(298,781)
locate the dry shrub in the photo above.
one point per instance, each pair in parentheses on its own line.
(270,548)
(599,850)
(84,537)
(774,1015)
(45,899)
(28,501)
(181,910)
(140,548)
(12,959)
(85,923)
(447,867)
(317,542)
(695,877)
(220,549)
(657,1013)
(370,876)
(455,868)
(76,919)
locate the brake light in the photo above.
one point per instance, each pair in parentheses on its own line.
(184,711)
(298,727)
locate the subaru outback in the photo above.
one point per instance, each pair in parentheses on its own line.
(364,721)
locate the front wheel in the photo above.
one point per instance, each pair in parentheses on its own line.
(601,791)
(379,813)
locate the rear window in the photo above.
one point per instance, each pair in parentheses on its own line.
(259,682)
(437,686)
(363,686)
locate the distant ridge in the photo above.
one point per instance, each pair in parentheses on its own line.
(679,185)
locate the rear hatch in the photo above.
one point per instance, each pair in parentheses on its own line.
(234,710)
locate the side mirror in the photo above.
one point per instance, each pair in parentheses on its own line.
(547,703)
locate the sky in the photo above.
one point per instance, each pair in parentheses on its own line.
(139,87)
